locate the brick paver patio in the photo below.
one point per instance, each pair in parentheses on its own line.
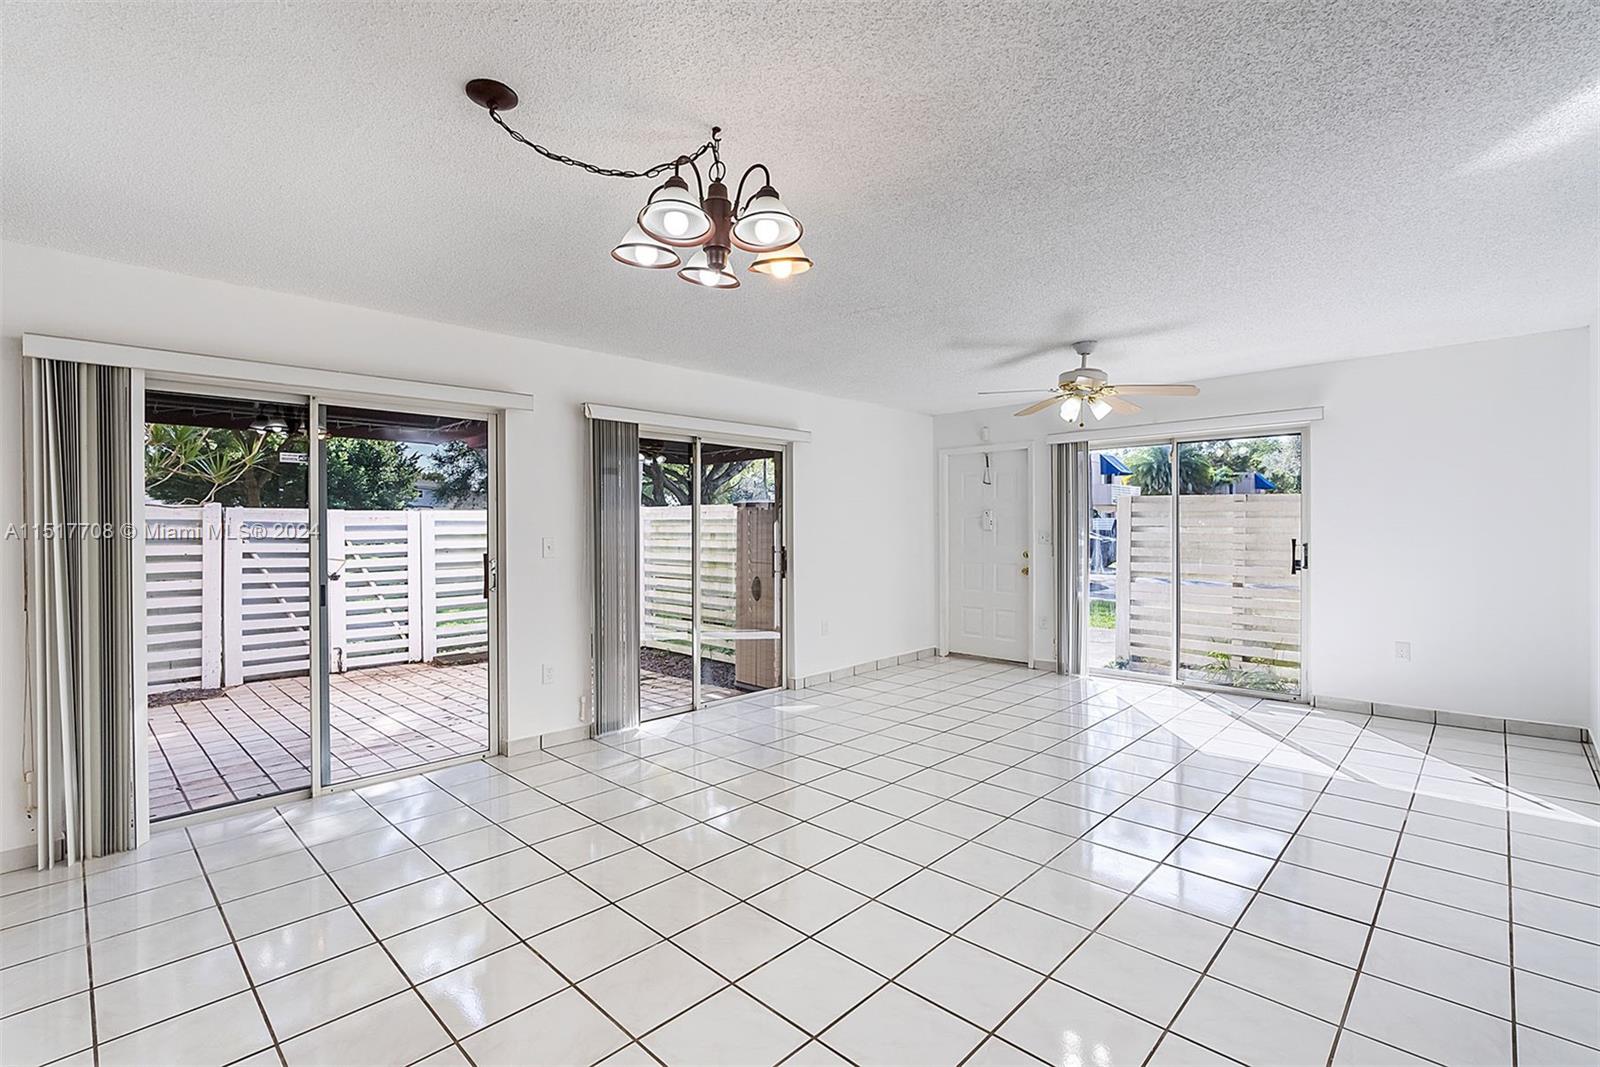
(252,740)
(664,694)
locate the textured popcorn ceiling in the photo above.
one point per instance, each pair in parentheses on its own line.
(1229,186)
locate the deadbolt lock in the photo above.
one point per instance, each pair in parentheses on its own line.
(1024,570)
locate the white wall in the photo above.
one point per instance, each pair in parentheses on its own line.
(1450,497)
(865,479)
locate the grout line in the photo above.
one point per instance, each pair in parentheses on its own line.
(88,965)
(1372,928)
(1096,715)
(1511,914)
(410,984)
(227,925)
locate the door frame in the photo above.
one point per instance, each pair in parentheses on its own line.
(311,401)
(695,437)
(1026,448)
(497,710)
(1175,438)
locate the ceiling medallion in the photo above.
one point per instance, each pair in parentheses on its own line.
(675,218)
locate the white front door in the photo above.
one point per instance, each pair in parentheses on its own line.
(987,533)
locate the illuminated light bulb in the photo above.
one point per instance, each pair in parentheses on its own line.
(783,263)
(673,215)
(639,249)
(1099,408)
(1070,408)
(764,224)
(700,271)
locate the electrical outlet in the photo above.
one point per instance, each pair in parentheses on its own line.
(547,547)
(824,627)
(547,674)
(1402,650)
(1044,622)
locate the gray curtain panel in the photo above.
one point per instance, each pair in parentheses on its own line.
(78,599)
(614,466)
(1069,504)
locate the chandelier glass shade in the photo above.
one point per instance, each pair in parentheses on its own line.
(765,225)
(701,270)
(783,263)
(639,249)
(675,217)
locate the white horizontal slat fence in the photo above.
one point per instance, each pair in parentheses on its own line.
(666,568)
(228,591)
(1240,605)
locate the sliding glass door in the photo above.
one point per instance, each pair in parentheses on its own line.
(317,604)
(1196,562)
(711,572)
(1129,572)
(1241,563)
(408,575)
(228,598)
(740,570)
(666,576)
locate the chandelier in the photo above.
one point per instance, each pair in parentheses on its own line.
(676,219)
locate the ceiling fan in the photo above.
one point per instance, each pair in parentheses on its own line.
(1089,388)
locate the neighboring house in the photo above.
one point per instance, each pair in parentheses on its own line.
(1248,482)
(1105,487)
(428,497)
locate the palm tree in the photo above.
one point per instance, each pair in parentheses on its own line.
(1151,470)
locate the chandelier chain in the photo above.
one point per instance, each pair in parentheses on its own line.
(604,172)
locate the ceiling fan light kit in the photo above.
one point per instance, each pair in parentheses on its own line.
(1091,389)
(675,217)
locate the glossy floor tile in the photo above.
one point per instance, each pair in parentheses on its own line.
(943,862)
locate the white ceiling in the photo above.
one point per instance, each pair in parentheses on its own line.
(1228,186)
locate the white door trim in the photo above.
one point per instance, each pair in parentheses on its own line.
(1026,448)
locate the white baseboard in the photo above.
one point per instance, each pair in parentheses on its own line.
(16,859)
(862,668)
(523,745)
(1524,727)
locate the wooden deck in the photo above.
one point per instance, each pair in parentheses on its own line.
(253,740)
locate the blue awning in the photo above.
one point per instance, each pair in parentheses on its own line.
(1111,465)
(1264,484)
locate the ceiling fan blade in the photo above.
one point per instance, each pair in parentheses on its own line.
(1158,390)
(1034,409)
(1007,392)
(1123,407)
(1030,354)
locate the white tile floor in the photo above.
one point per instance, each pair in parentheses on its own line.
(940,863)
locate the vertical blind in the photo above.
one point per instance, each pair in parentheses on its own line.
(614,465)
(78,598)
(1068,498)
